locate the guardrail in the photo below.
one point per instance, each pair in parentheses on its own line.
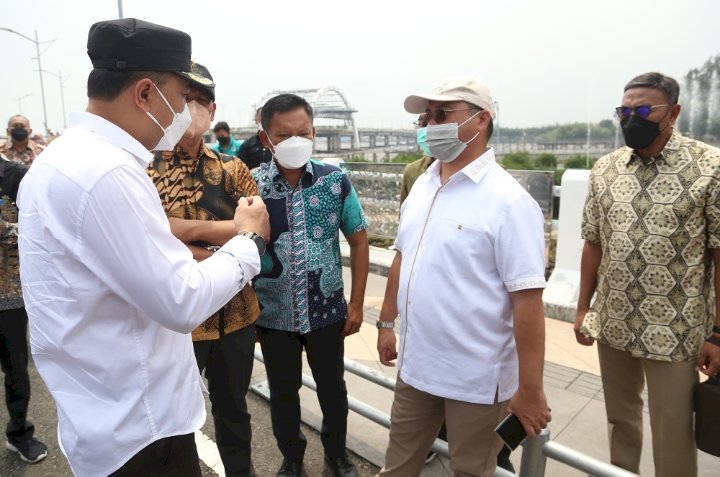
(535,452)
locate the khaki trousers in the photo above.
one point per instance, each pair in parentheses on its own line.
(415,420)
(670,401)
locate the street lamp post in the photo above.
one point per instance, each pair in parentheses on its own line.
(19,100)
(40,70)
(60,78)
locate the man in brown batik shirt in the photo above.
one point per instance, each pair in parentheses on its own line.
(199,189)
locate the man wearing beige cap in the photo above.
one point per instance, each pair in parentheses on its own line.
(468,286)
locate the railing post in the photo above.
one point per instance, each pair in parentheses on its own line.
(532,463)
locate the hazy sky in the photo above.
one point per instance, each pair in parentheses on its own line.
(546,61)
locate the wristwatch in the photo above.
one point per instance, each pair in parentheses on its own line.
(379,324)
(259,241)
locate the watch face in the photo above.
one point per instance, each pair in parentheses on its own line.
(260,243)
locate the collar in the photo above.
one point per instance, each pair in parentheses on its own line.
(474,171)
(669,154)
(113,134)
(275,173)
(181,154)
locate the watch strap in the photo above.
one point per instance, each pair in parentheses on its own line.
(384,324)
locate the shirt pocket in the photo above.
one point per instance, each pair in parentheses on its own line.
(464,241)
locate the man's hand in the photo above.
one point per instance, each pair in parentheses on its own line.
(581,337)
(354,319)
(708,362)
(251,216)
(532,410)
(387,346)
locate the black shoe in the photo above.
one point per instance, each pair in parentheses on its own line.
(503,460)
(30,450)
(340,466)
(290,469)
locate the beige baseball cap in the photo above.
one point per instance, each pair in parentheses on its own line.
(454,89)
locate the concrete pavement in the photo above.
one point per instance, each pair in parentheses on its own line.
(572,385)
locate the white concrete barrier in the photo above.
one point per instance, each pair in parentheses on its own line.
(561,294)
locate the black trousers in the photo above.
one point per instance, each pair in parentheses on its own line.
(282,351)
(14,362)
(228,364)
(174,456)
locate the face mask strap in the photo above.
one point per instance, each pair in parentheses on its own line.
(468,119)
(165,99)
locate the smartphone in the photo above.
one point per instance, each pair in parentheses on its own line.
(511,431)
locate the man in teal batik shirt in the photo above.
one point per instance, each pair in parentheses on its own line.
(301,288)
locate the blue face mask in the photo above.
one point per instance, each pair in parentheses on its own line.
(421,136)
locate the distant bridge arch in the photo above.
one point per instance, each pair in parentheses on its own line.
(327,102)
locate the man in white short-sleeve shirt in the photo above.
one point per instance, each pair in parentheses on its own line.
(467,280)
(111,294)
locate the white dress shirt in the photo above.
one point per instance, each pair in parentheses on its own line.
(112,295)
(465,246)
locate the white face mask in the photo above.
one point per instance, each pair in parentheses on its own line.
(200,120)
(443,141)
(176,129)
(293,152)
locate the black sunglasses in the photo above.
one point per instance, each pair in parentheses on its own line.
(643,110)
(440,114)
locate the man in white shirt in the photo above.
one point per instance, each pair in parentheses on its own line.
(111,294)
(467,280)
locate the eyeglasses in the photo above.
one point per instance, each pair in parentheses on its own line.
(643,110)
(440,114)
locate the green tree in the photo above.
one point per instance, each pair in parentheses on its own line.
(406,157)
(579,162)
(518,160)
(546,161)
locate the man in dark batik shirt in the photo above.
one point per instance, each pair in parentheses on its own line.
(14,322)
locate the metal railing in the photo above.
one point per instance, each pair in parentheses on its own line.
(536,450)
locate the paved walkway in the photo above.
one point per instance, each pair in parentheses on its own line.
(572,385)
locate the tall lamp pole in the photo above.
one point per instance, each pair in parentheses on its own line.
(40,70)
(19,100)
(61,79)
(120,12)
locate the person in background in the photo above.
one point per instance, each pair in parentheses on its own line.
(413,170)
(19,146)
(226,144)
(651,226)
(14,323)
(110,293)
(199,189)
(252,152)
(301,290)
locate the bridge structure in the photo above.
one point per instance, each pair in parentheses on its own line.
(338,135)
(336,131)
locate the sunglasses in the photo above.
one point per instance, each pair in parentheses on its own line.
(643,111)
(440,114)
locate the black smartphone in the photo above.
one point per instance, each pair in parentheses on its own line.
(511,431)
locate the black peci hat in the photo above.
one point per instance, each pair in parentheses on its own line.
(129,44)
